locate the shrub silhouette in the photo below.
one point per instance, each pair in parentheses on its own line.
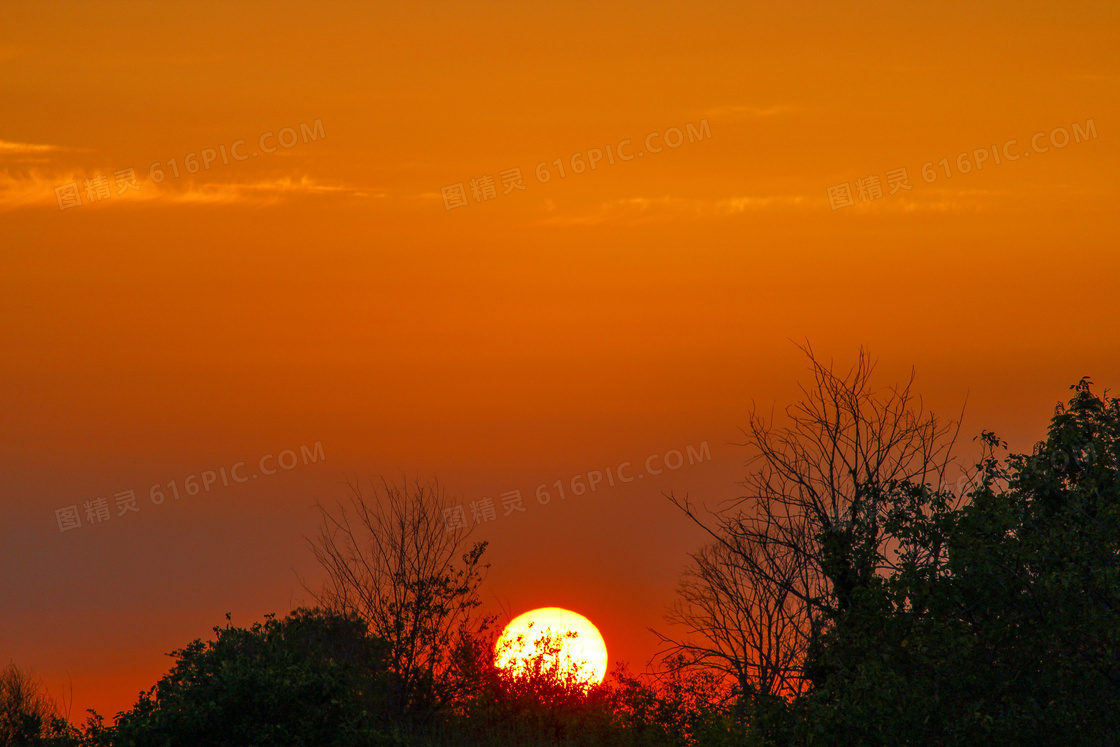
(313,678)
(28,715)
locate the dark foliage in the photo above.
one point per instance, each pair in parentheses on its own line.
(988,618)
(314,678)
(28,715)
(1003,624)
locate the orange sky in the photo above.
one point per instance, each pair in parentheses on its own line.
(323,293)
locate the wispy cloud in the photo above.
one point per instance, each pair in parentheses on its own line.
(743,111)
(36,188)
(27,189)
(10,147)
(261,192)
(947,201)
(732,205)
(650,209)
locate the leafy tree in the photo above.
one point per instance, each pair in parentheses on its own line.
(314,678)
(540,697)
(1036,562)
(680,705)
(1001,625)
(545,699)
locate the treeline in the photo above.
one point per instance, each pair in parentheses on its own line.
(858,596)
(319,677)
(860,593)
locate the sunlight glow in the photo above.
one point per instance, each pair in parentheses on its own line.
(584,654)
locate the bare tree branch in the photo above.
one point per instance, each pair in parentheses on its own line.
(391,558)
(756,596)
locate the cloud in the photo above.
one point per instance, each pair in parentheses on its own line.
(9,147)
(27,189)
(648,209)
(732,205)
(933,200)
(261,192)
(742,111)
(36,188)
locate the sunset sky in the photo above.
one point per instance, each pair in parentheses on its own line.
(317,284)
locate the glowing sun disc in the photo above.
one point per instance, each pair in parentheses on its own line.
(587,649)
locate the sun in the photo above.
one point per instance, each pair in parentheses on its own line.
(584,653)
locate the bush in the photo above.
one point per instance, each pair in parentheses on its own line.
(314,678)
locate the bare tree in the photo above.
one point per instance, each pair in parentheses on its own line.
(809,530)
(753,633)
(27,712)
(392,558)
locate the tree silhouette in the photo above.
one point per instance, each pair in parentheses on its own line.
(809,531)
(28,714)
(754,633)
(393,560)
(1004,626)
(315,678)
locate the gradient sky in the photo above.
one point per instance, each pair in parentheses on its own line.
(324,293)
